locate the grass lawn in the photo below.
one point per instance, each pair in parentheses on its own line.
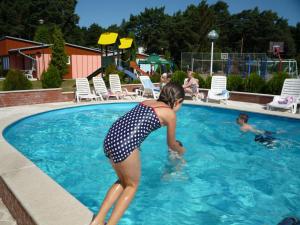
(67,85)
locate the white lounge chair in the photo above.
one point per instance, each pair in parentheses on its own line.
(148,87)
(116,88)
(218,89)
(29,74)
(289,98)
(83,90)
(101,89)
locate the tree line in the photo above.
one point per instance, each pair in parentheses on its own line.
(184,31)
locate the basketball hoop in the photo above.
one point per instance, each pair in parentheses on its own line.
(224,56)
(276,48)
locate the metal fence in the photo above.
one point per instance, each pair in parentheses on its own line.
(237,63)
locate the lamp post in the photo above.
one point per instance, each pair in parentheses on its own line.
(41,21)
(212,35)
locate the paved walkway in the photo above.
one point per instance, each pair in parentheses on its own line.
(5,217)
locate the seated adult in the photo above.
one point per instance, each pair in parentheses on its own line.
(191,86)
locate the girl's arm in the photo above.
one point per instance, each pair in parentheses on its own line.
(171,127)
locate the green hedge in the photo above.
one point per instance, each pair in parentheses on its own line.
(207,82)
(235,83)
(51,78)
(274,85)
(254,83)
(178,77)
(16,80)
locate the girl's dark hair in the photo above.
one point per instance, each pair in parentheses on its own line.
(170,93)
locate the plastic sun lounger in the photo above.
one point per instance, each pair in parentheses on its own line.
(101,89)
(115,87)
(83,90)
(149,87)
(218,90)
(289,97)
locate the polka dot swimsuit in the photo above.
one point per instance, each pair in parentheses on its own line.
(129,131)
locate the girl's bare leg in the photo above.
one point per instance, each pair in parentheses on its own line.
(111,196)
(130,171)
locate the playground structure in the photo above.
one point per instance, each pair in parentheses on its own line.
(239,63)
(108,43)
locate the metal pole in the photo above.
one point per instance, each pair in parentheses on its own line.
(211,57)
(193,64)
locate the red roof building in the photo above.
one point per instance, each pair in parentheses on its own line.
(21,54)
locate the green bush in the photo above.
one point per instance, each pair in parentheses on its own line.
(254,83)
(235,83)
(207,82)
(155,78)
(123,77)
(200,79)
(178,77)
(51,78)
(111,69)
(274,85)
(2,71)
(137,81)
(15,80)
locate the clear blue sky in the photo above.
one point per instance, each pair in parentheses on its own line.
(106,13)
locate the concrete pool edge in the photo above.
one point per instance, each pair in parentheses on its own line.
(44,201)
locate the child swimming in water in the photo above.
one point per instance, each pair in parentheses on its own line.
(242,120)
(261,136)
(123,141)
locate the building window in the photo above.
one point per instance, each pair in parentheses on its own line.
(69,60)
(5,63)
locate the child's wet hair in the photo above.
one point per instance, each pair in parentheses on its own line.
(170,93)
(243,117)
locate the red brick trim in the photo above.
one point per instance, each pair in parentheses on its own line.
(38,96)
(14,206)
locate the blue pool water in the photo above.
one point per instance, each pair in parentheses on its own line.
(227,179)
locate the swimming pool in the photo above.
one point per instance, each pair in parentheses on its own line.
(227,179)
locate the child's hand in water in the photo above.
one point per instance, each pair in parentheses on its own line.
(175,156)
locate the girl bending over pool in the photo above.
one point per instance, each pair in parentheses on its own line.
(122,143)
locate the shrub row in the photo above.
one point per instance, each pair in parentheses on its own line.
(253,83)
(15,80)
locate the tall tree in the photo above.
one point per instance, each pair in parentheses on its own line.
(92,35)
(43,35)
(21,18)
(59,57)
(150,29)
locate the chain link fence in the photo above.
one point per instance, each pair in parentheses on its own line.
(237,63)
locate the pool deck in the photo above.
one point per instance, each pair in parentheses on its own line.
(44,201)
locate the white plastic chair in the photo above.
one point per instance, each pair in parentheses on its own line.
(289,97)
(218,90)
(116,88)
(101,89)
(149,87)
(83,90)
(28,74)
